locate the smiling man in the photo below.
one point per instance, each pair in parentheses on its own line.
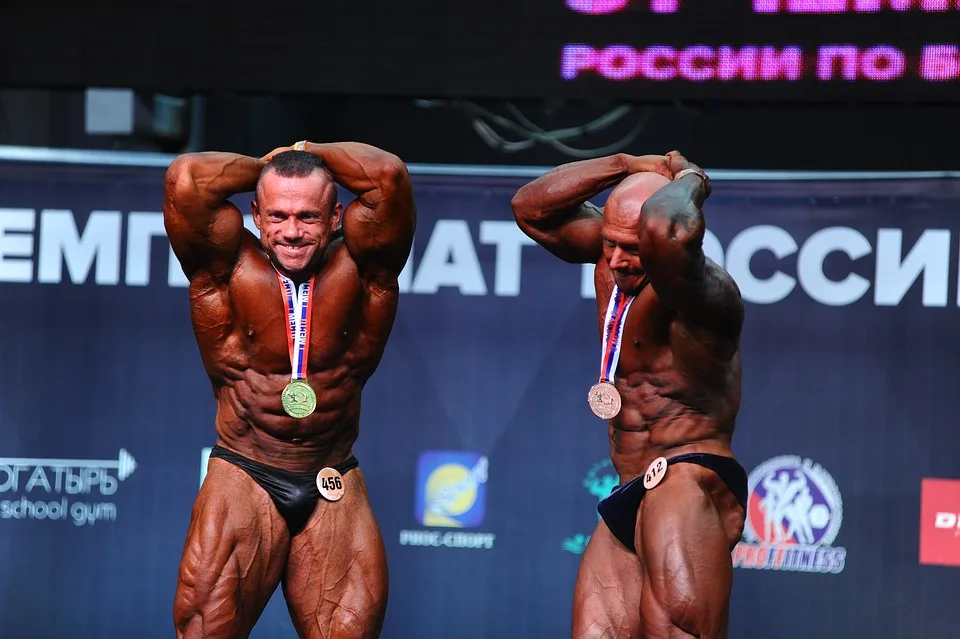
(290,327)
(659,562)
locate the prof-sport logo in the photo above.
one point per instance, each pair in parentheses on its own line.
(62,489)
(450,493)
(794,512)
(600,480)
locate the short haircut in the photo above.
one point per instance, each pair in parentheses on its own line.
(293,164)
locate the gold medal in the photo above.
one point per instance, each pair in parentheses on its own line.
(298,399)
(330,484)
(604,400)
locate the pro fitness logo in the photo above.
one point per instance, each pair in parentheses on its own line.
(794,511)
(62,489)
(601,479)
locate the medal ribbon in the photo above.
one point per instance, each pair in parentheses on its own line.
(299,303)
(613,325)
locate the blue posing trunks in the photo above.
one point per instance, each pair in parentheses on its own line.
(619,509)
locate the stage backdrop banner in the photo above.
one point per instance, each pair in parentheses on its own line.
(483,461)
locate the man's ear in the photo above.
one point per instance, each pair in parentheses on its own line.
(256,213)
(336,216)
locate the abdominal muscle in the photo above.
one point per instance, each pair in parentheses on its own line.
(251,420)
(651,425)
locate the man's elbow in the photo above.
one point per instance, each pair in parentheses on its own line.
(392,171)
(524,208)
(180,176)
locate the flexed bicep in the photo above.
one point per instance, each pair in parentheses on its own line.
(378,227)
(205,230)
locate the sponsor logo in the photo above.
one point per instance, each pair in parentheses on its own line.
(794,512)
(62,489)
(450,493)
(599,482)
(940,522)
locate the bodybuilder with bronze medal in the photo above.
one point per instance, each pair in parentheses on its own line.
(659,562)
(290,327)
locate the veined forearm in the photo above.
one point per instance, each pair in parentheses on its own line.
(674,214)
(214,177)
(561,191)
(358,167)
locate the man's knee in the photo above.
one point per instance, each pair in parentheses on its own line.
(347,623)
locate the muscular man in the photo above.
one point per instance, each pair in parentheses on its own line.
(290,327)
(659,563)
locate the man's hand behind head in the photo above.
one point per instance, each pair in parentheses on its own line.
(276,151)
(650,164)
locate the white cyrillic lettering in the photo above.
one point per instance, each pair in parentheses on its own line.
(10,477)
(588,289)
(509,240)
(712,247)
(744,246)
(21,222)
(405,278)
(74,484)
(450,259)
(38,477)
(827,62)
(61,243)
(175,276)
(810,266)
(142,227)
(930,256)
(108,483)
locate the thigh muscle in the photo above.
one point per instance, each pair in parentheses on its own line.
(685,550)
(336,578)
(233,558)
(606,600)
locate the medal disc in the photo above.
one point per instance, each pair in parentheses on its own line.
(604,400)
(330,484)
(655,473)
(298,399)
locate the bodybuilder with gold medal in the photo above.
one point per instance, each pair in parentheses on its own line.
(290,327)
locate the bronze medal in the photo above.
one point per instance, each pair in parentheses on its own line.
(604,400)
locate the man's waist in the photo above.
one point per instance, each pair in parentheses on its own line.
(631,462)
(293,458)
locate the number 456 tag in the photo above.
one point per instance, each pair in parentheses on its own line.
(330,484)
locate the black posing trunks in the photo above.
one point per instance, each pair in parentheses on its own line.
(619,509)
(294,494)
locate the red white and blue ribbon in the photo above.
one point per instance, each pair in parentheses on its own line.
(299,303)
(613,325)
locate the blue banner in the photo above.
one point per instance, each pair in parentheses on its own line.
(850,359)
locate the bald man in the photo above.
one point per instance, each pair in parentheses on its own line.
(659,563)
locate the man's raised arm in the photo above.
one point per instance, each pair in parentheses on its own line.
(204,228)
(379,225)
(553,209)
(671,232)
